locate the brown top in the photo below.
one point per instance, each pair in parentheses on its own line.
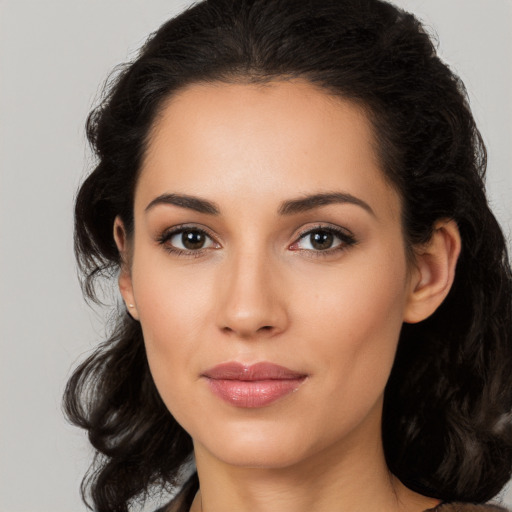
(182,501)
(466,507)
(446,507)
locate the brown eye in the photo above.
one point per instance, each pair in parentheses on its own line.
(193,240)
(321,240)
(325,240)
(187,240)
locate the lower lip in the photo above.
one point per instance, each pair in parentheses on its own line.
(252,394)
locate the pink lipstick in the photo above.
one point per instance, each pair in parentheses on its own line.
(252,386)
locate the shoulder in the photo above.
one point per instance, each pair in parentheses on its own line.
(467,507)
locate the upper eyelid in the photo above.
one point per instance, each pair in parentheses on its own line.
(327,227)
(164,239)
(168,232)
(299,234)
(345,236)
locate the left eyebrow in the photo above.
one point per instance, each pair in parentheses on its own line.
(311,202)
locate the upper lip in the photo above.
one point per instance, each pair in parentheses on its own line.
(258,371)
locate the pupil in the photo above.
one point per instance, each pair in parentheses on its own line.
(193,239)
(322,240)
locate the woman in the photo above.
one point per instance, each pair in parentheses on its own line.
(318,298)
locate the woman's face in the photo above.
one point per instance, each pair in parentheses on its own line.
(266,234)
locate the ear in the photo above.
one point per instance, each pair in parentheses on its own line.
(125,276)
(434,271)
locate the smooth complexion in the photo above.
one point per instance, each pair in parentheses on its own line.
(266,232)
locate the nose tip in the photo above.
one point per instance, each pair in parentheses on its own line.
(252,302)
(255,319)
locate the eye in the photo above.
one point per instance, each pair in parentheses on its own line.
(319,240)
(190,240)
(323,239)
(183,240)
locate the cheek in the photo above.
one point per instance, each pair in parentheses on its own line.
(171,299)
(173,307)
(355,320)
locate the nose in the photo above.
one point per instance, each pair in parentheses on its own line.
(252,300)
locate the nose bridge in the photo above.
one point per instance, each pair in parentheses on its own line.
(251,301)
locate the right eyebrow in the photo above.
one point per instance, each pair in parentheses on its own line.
(184,201)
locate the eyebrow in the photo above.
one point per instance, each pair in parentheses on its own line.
(184,201)
(311,202)
(291,207)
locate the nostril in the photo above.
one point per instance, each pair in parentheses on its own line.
(265,328)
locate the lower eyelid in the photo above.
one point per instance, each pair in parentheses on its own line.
(345,238)
(164,240)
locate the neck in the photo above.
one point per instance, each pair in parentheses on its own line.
(349,476)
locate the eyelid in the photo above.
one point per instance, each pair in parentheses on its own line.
(346,237)
(184,227)
(164,237)
(327,226)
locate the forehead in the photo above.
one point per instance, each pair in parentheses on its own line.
(249,140)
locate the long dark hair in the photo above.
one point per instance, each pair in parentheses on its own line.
(447,425)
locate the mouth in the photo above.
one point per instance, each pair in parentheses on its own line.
(252,386)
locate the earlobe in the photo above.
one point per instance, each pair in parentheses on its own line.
(434,271)
(125,277)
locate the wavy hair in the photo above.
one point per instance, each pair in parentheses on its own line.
(447,426)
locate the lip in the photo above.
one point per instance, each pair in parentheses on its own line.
(252,386)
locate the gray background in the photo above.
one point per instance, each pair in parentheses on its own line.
(54,54)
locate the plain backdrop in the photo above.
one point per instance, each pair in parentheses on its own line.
(54,55)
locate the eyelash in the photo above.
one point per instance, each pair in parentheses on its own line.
(164,238)
(346,240)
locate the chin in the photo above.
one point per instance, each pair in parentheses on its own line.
(265,456)
(266,446)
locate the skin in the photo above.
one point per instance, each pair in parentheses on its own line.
(259,290)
